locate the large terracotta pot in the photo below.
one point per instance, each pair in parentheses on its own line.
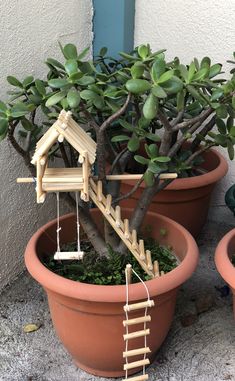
(223,254)
(88,318)
(185,200)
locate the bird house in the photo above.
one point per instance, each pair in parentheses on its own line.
(64,179)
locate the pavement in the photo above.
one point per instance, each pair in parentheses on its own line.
(200,345)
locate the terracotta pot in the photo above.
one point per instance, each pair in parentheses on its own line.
(223,254)
(88,318)
(185,200)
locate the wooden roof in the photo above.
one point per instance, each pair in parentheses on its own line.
(72,132)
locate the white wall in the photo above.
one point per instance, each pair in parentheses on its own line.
(188,29)
(29,33)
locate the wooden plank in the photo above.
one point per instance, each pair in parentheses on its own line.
(62,179)
(134,335)
(68,255)
(44,148)
(162,176)
(83,135)
(138,306)
(136,364)
(58,187)
(70,172)
(143,377)
(136,352)
(139,320)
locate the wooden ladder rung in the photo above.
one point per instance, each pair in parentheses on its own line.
(136,352)
(138,306)
(144,377)
(136,364)
(135,334)
(143,319)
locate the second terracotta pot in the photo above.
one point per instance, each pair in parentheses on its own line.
(89,318)
(185,200)
(224,252)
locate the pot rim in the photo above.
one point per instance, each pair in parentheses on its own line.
(222,260)
(115,293)
(197,181)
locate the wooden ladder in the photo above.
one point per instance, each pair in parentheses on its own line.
(113,216)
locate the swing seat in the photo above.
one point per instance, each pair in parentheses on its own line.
(69,255)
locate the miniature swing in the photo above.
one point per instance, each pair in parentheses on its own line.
(80,180)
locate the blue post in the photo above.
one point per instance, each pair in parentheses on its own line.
(113,26)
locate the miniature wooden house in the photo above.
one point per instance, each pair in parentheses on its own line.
(64,179)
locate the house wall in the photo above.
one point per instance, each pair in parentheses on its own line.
(188,29)
(29,33)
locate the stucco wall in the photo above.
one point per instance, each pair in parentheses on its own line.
(188,29)
(29,33)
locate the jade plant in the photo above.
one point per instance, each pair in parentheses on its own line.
(172,111)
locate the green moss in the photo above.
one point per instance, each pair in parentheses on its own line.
(108,270)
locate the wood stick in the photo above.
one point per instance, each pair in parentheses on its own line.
(25,180)
(99,191)
(156,268)
(138,306)
(149,259)
(162,176)
(59,187)
(43,160)
(86,173)
(62,179)
(128,272)
(162,273)
(142,319)
(143,377)
(126,228)
(136,364)
(108,203)
(136,352)
(134,239)
(118,215)
(80,159)
(60,138)
(142,250)
(133,335)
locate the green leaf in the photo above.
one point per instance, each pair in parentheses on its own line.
(120,138)
(3,126)
(215,70)
(70,51)
(153,137)
(230,123)
(55,63)
(143,51)
(98,101)
(151,150)
(137,70)
(201,74)
(158,68)
(233,102)
(133,144)
(57,83)
(195,93)
(191,71)
(28,81)
(184,72)
(83,54)
(26,124)
(150,107)
(221,126)
(14,81)
(154,167)
(149,178)
(71,66)
(222,112)
(141,159)
(166,76)
(162,159)
(103,51)
(205,63)
(216,94)
(173,85)
(232,131)
(18,110)
(88,95)
(137,86)
(85,80)
(180,100)
(126,125)
(158,92)
(73,98)
(3,107)
(40,87)
(230,148)
(56,98)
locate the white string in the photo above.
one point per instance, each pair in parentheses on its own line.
(58,221)
(78,224)
(145,314)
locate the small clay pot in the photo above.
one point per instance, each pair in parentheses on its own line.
(224,251)
(89,318)
(185,200)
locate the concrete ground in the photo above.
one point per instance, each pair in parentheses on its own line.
(199,347)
